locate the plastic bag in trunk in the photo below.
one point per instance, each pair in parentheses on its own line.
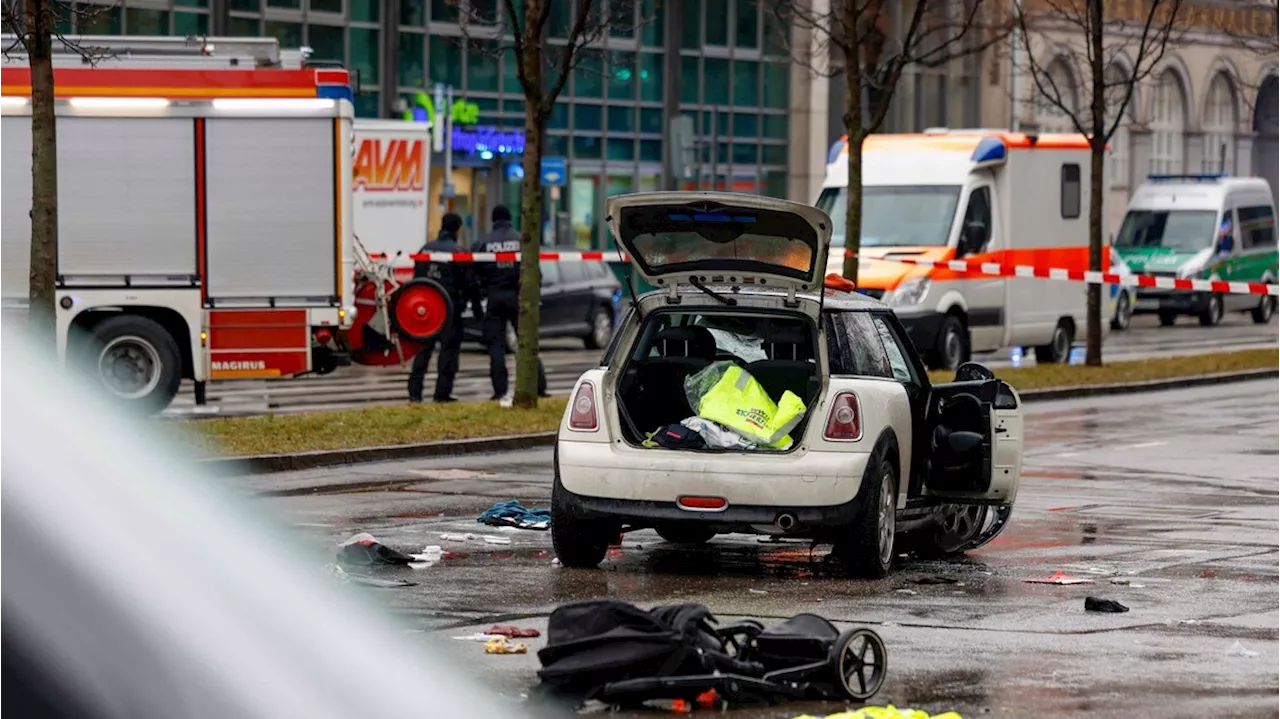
(727,394)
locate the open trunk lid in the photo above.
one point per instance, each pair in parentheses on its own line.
(692,238)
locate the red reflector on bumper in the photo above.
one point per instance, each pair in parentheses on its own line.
(703,503)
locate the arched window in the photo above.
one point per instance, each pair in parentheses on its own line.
(1049,117)
(1118,157)
(1168,118)
(1220,127)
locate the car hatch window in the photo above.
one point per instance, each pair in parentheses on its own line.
(853,347)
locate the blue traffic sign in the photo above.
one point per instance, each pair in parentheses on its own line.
(554,171)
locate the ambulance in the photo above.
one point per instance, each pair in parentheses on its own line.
(981,196)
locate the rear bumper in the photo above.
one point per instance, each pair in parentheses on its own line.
(623,481)
(1179,301)
(640,513)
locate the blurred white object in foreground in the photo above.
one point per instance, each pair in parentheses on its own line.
(136,587)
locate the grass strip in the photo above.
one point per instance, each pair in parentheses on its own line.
(428,422)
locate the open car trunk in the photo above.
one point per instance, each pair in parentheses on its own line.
(777,349)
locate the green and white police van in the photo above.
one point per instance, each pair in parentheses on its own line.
(1210,227)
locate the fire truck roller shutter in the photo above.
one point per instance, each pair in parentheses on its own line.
(271,205)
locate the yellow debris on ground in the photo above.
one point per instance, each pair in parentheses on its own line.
(502,646)
(889,712)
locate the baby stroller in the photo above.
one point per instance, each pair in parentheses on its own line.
(616,653)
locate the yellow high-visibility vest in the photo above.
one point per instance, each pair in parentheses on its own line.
(738,402)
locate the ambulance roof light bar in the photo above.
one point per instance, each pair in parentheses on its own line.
(1186,178)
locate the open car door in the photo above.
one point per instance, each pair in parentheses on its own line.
(975,435)
(710,238)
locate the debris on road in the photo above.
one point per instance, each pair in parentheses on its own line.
(469,537)
(1058,578)
(363,550)
(1127,581)
(889,712)
(756,591)
(908,592)
(348,578)
(512,631)
(1097,604)
(514,514)
(1239,650)
(479,637)
(502,646)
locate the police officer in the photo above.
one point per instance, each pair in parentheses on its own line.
(500,282)
(456,279)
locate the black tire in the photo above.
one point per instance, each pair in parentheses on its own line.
(1124,312)
(860,662)
(1265,310)
(1059,348)
(686,533)
(951,348)
(578,542)
(1212,315)
(1167,318)
(866,549)
(958,526)
(135,360)
(599,329)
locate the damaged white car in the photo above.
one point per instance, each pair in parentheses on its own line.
(744,395)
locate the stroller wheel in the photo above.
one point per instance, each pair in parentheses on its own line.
(859,660)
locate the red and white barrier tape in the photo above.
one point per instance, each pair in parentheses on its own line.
(1095,278)
(994,269)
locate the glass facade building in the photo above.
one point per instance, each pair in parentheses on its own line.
(721,62)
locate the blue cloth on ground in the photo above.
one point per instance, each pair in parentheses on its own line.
(514,514)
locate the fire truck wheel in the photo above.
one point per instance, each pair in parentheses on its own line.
(136,360)
(420,309)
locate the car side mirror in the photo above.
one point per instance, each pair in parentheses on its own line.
(974,372)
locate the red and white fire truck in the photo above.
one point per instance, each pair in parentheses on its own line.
(204,210)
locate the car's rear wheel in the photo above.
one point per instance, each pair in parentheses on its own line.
(1265,310)
(686,533)
(600,330)
(1059,348)
(578,541)
(1212,314)
(866,550)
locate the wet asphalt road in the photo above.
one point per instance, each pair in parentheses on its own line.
(1174,493)
(566,360)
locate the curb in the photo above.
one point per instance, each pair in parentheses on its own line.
(272,463)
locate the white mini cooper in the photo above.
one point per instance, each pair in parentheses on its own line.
(880,452)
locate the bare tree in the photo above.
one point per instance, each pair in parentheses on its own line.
(34,24)
(1087,39)
(871,50)
(543,67)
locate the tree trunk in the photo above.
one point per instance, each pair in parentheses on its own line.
(854,129)
(526,393)
(44,172)
(1097,154)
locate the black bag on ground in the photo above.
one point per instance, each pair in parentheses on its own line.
(599,641)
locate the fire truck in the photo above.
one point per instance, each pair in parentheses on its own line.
(204,210)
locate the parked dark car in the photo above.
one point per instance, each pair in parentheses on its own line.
(579,299)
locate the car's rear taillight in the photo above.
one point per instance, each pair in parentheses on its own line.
(844,423)
(582,416)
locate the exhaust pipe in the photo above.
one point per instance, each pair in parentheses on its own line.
(786,522)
